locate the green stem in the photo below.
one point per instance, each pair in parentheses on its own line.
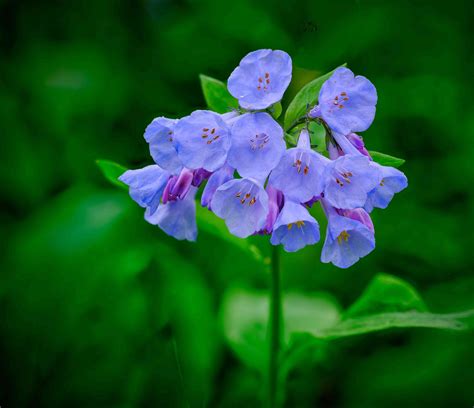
(275,328)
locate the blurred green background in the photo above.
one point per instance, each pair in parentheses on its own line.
(100,309)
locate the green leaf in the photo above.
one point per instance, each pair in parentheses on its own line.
(245,314)
(213,225)
(276,110)
(306,97)
(112,171)
(216,95)
(386,160)
(390,302)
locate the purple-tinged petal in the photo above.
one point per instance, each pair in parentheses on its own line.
(295,228)
(348,180)
(178,186)
(221,176)
(257,145)
(393,181)
(146,185)
(261,78)
(159,135)
(360,215)
(199,176)
(243,204)
(358,143)
(347,103)
(275,204)
(202,140)
(177,218)
(347,239)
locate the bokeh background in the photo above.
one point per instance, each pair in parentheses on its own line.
(99,309)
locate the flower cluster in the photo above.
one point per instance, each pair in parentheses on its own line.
(275,185)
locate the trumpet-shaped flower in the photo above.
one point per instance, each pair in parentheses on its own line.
(348,238)
(159,135)
(299,174)
(392,181)
(176,218)
(257,145)
(261,78)
(202,140)
(243,204)
(348,180)
(346,102)
(294,228)
(146,185)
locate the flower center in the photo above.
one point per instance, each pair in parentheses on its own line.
(343,175)
(259,141)
(302,163)
(263,83)
(343,236)
(209,135)
(340,100)
(246,198)
(299,224)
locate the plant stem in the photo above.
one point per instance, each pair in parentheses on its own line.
(275,323)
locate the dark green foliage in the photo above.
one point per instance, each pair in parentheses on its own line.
(100,309)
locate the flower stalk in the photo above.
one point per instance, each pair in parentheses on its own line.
(275,328)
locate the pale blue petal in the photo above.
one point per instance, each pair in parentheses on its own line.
(146,185)
(257,145)
(202,140)
(261,78)
(243,204)
(348,180)
(393,181)
(159,135)
(347,103)
(299,174)
(295,228)
(177,218)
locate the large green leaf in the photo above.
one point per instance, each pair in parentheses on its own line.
(112,171)
(216,95)
(386,160)
(306,97)
(389,302)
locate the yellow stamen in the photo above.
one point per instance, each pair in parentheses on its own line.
(343,236)
(299,224)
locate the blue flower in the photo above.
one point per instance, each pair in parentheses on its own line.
(202,140)
(348,180)
(261,78)
(347,239)
(294,228)
(257,145)
(176,218)
(346,103)
(221,176)
(299,175)
(159,135)
(146,185)
(243,204)
(392,181)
